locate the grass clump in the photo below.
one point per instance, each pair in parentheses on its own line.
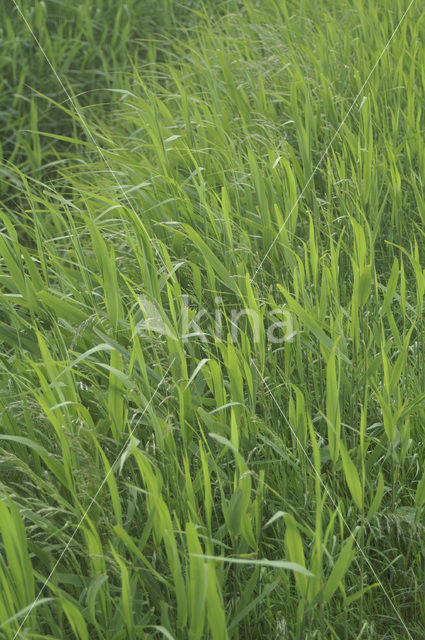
(166,465)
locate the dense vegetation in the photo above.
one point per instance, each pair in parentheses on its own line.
(167,478)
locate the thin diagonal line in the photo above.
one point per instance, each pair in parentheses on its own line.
(82,119)
(333,501)
(111,468)
(324,154)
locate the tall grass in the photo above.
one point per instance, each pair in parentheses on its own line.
(249,489)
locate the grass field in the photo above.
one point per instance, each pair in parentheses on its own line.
(212,279)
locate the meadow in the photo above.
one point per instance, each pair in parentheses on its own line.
(176,178)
